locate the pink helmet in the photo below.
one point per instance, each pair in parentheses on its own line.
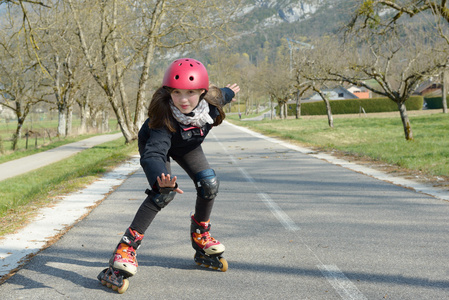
(186,74)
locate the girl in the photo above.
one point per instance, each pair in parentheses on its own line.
(181,114)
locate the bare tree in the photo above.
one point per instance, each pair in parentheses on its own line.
(223,68)
(397,63)
(13,7)
(129,41)
(277,79)
(369,11)
(20,89)
(444,91)
(302,85)
(20,77)
(312,66)
(230,67)
(60,60)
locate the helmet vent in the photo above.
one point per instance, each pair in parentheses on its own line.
(191,78)
(191,65)
(177,77)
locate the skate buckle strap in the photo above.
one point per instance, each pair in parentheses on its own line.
(132,238)
(129,242)
(201,230)
(204,235)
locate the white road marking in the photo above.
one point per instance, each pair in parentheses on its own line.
(344,287)
(278,213)
(283,218)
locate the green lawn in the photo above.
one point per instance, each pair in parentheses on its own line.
(378,137)
(20,196)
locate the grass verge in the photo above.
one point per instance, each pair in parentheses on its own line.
(379,138)
(22,195)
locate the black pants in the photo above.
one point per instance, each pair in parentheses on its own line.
(193,162)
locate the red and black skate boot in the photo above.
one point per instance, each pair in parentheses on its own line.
(124,257)
(208,250)
(201,239)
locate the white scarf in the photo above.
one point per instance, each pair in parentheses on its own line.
(200,116)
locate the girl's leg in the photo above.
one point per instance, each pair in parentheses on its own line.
(124,257)
(206,183)
(147,211)
(194,163)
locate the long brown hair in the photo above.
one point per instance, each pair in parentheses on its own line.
(161,115)
(215,97)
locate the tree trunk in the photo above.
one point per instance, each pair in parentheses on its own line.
(61,120)
(68,127)
(105,121)
(84,110)
(59,98)
(444,91)
(405,121)
(105,78)
(330,118)
(280,110)
(124,105)
(83,119)
(157,19)
(127,133)
(18,134)
(140,114)
(329,113)
(298,105)
(93,120)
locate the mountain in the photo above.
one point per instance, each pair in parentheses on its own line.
(281,11)
(267,21)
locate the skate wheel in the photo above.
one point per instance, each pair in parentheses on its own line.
(103,282)
(124,287)
(194,258)
(225,264)
(109,285)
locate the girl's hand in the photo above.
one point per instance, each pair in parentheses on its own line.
(166,182)
(235,88)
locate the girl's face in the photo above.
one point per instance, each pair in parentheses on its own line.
(186,100)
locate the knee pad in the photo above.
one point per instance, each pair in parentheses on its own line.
(162,199)
(207,183)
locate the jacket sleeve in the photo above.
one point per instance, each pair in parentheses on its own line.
(153,148)
(228,95)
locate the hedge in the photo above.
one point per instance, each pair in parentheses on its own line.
(434,102)
(354,106)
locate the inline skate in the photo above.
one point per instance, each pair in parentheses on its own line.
(208,250)
(123,263)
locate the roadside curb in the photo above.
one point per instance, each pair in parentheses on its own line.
(52,222)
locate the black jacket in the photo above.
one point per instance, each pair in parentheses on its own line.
(157,145)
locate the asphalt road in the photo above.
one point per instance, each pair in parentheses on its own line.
(294,226)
